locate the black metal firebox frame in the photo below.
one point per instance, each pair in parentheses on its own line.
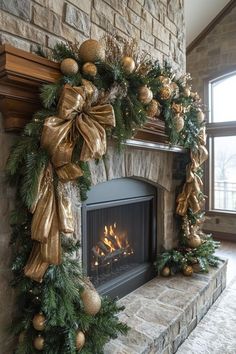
(115,193)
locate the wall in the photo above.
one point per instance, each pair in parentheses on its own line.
(157,24)
(212,57)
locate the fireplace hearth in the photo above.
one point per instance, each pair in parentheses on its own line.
(119,235)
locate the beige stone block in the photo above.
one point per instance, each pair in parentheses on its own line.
(160,32)
(72,34)
(97,32)
(170,26)
(102,21)
(84,5)
(135,6)
(15,41)
(147,37)
(5,250)
(46,19)
(118,5)
(102,7)
(19,8)
(133,18)
(164,48)
(146,21)
(123,25)
(77,19)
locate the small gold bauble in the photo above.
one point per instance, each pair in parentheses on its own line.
(89,69)
(128,64)
(177,108)
(79,340)
(187,271)
(200,116)
(194,241)
(145,95)
(165,271)
(154,109)
(39,343)
(39,322)
(196,268)
(69,67)
(164,80)
(187,92)
(165,92)
(178,121)
(91,301)
(91,50)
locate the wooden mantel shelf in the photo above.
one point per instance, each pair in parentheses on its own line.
(22,74)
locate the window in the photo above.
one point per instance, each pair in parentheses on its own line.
(222,144)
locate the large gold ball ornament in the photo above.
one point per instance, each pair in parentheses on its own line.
(128,64)
(154,109)
(200,116)
(166,92)
(69,67)
(39,343)
(187,271)
(178,121)
(194,241)
(165,271)
(39,322)
(145,95)
(89,69)
(91,50)
(79,340)
(91,301)
(187,92)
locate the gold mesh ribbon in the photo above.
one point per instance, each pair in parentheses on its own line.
(191,197)
(77,116)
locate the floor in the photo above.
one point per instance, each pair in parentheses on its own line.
(216,333)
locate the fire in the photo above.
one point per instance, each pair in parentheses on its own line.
(112,247)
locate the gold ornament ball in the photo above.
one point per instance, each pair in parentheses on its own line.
(196,268)
(91,50)
(194,241)
(164,80)
(145,95)
(89,69)
(165,92)
(91,301)
(165,271)
(187,92)
(80,340)
(200,116)
(39,343)
(178,123)
(69,67)
(177,108)
(128,64)
(187,271)
(39,322)
(154,109)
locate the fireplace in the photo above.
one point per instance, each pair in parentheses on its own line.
(119,235)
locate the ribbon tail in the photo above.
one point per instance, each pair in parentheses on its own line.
(36,266)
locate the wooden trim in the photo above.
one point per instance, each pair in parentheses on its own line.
(231,4)
(221,236)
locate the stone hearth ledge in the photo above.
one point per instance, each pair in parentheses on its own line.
(163,312)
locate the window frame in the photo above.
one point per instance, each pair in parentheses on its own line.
(218,129)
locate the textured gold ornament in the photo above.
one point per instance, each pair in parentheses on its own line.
(79,340)
(91,301)
(187,92)
(200,116)
(145,95)
(154,109)
(177,108)
(194,241)
(69,67)
(166,92)
(39,322)
(187,271)
(178,122)
(128,64)
(91,50)
(164,80)
(89,69)
(39,343)
(165,271)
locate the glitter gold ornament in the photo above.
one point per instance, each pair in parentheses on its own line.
(89,69)
(177,108)
(39,343)
(165,271)
(187,271)
(164,80)
(187,92)
(194,241)
(178,121)
(79,340)
(91,50)
(69,67)
(39,322)
(200,116)
(91,301)
(128,64)
(165,92)
(154,109)
(145,95)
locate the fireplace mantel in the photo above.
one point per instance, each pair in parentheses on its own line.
(21,76)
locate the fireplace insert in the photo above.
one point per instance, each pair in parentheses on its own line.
(119,235)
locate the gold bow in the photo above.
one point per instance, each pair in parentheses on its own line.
(52,212)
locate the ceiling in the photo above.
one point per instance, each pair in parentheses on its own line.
(198,14)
